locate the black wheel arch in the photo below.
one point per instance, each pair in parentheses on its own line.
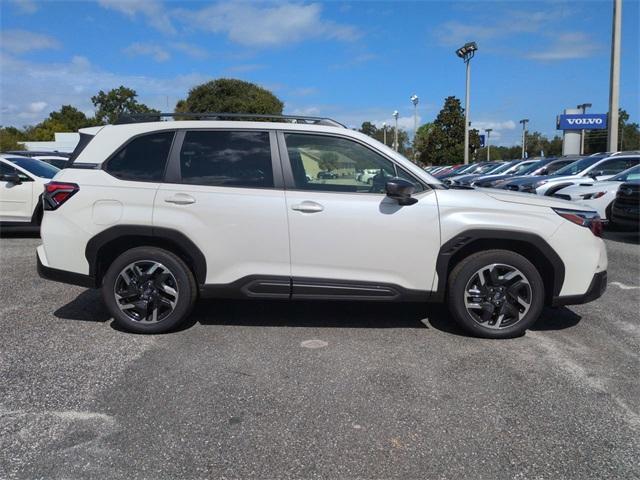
(105,247)
(529,245)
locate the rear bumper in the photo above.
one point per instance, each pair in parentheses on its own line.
(64,276)
(596,289)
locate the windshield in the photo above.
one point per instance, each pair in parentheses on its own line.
(530,167)
(628,175)
(503,167)
(486,168)
(36,167)
(578,166)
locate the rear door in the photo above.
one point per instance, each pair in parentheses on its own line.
(348,239)
(16,200)
(223,189)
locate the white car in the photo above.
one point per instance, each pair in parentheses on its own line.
(157,214)
(587,170)
(22,182)
(599,195)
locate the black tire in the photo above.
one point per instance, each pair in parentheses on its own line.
(464,273)
(182,279)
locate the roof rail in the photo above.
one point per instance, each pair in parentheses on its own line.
(156,117)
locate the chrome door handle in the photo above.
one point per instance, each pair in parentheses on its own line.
(181,199)
(307,207)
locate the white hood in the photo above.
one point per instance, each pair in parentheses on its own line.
(530,199)
(604,186)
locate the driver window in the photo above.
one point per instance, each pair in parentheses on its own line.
(325,163)
(8,169)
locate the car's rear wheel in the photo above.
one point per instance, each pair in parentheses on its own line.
(495,294)
(149,290)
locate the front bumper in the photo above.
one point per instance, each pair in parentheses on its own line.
(596,289)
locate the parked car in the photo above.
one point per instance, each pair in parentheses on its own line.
(599,195)
(625,211)
(586,170)
(327,175)
(57,159)
(529,168)
(515,167)
(22,181)
(465,169)
(159,213)
(485,169)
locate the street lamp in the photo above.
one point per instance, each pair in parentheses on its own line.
(414,99)
(395,134)
(488,130)
(384,132)
(466,53)
(583,107)
(524,122)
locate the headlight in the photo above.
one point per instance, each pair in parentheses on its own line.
(592,196)
(590,220)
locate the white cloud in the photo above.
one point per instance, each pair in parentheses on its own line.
(156,52)
(156,14)
(37,107)
(567,46)
(73,83)
(22,41)
(265,25)
(25,6)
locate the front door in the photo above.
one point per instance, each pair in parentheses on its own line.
(348,239)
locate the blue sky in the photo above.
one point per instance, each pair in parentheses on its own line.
(352,61)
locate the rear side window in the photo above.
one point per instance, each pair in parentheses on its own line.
(227,159)
(143,159)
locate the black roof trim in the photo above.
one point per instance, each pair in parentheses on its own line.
(156,117)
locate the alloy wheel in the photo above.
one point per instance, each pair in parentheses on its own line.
(146,291)
(498,296)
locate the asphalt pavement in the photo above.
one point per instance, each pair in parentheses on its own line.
(315,390)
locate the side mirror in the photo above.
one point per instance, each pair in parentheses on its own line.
(595,175)
(401,190)
(544,171)
(11,178)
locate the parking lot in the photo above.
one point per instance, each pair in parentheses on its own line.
(385,391)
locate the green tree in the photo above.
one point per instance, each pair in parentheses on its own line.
(445,142)
(420,140)
(67,119)
(628,136)
(9,138)
(228,95)
(116,102)
(371,130)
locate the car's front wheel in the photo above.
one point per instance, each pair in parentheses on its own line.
(495,294)
(149,290)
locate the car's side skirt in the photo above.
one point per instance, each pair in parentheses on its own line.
(299,288)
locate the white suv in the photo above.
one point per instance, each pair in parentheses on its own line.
(159,213)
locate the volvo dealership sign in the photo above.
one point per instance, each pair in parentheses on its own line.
(582,121)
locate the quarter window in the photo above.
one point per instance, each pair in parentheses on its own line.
(143,159)
(326,163)
(227,159)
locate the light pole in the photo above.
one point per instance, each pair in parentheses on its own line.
(414,99)
(583,107)
(395,134)
(488,130)
(524,122)
(384,132)
(466,52)
(614,79)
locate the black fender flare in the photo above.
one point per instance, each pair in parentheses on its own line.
(154,234)
(466,239)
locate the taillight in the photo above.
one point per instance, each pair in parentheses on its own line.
(57,193)
(590,220)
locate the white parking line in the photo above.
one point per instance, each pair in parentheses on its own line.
(623,286)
